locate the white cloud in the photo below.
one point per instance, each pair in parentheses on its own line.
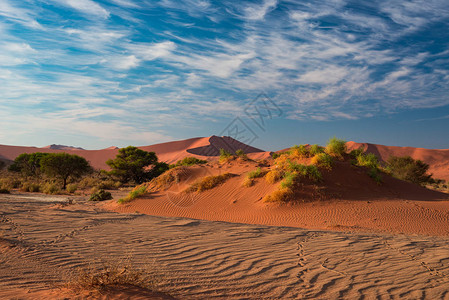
(258,12)
(88,7)
(20,15)
(330,75)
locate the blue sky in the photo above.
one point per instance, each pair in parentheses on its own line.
(127,72)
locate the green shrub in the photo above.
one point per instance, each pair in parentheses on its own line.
(336,147)
(299,151)
(189,161)
(289,180)
(310,172)
(323,160)
(101,195)
(369,160)
(51,188)
(71,188)
(374,174)
(241,154)
(4,191)
(137,192)
(356,152)
(209,182)
(315,150)
(225,156)
(31,187)
(408,169)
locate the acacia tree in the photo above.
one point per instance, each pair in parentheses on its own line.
(29,164)
(65,166)
(132,164)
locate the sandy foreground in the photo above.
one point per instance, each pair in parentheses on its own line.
(43,240)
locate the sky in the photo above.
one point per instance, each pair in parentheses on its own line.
(271,73)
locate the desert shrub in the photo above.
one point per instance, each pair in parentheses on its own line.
(280,195)
(71,188)
(241,154)
(32,187)
(51,188)
(4,191)
(323,160)
(315,150)
(336,147)
(356,152)
(275,155)
(10,182)
(310,172)
(109,184)
(189,161)
(89,182)
(225,156)
(209,182)
(249,179)
(289,180)
(273,176)
(137,192)
(369,160)
(101,195)
(374,173)
(408,169)
(299,151)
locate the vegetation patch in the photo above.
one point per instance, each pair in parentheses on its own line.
(209,182)
(137,192)
(188,161)
(101,195)
(225,156)
(274,176)
(323,160)
(249,179)
(4,191)
(336,147)
(408,169)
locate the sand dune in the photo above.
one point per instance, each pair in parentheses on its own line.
(203,148)
(437,159)
(44,242)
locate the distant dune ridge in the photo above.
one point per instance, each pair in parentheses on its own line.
(209,148)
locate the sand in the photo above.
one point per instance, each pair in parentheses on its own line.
(43,242)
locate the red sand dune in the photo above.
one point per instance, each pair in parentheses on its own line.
(437,159)
(202,147)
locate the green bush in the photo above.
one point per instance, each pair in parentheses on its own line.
(323,160)
(289,180)
(31,187)
(408,169)
(336,147)
(374,174)
(299,151)
(356,152)
(71,188)
(310,172)
(189,161)
(225,155)
(51,188)
(369,160)
(315,150)
(101,195)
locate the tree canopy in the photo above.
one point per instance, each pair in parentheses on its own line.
(132,164)
(29,164)
(65,166)
(408,169)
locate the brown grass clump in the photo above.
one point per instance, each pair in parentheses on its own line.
(209,182)
(167,179)
(280,195)
(122,273)
(273,176)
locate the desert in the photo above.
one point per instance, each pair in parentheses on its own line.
(345,236)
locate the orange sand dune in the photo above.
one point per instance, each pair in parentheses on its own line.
(437,159)
(351,200)
(202,147)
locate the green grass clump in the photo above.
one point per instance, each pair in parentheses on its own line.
(137,192)
(225,156)
(289,180)
(249,179)
(188,161)
(241,154)
(101,195)
(323,160)
(336,147)
(209,182)
(310,171)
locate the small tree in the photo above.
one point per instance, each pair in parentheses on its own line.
(131,164)
(65,166)
(29,164)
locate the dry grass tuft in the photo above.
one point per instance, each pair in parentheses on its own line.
(274,176)
(209,182)
(280,195)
